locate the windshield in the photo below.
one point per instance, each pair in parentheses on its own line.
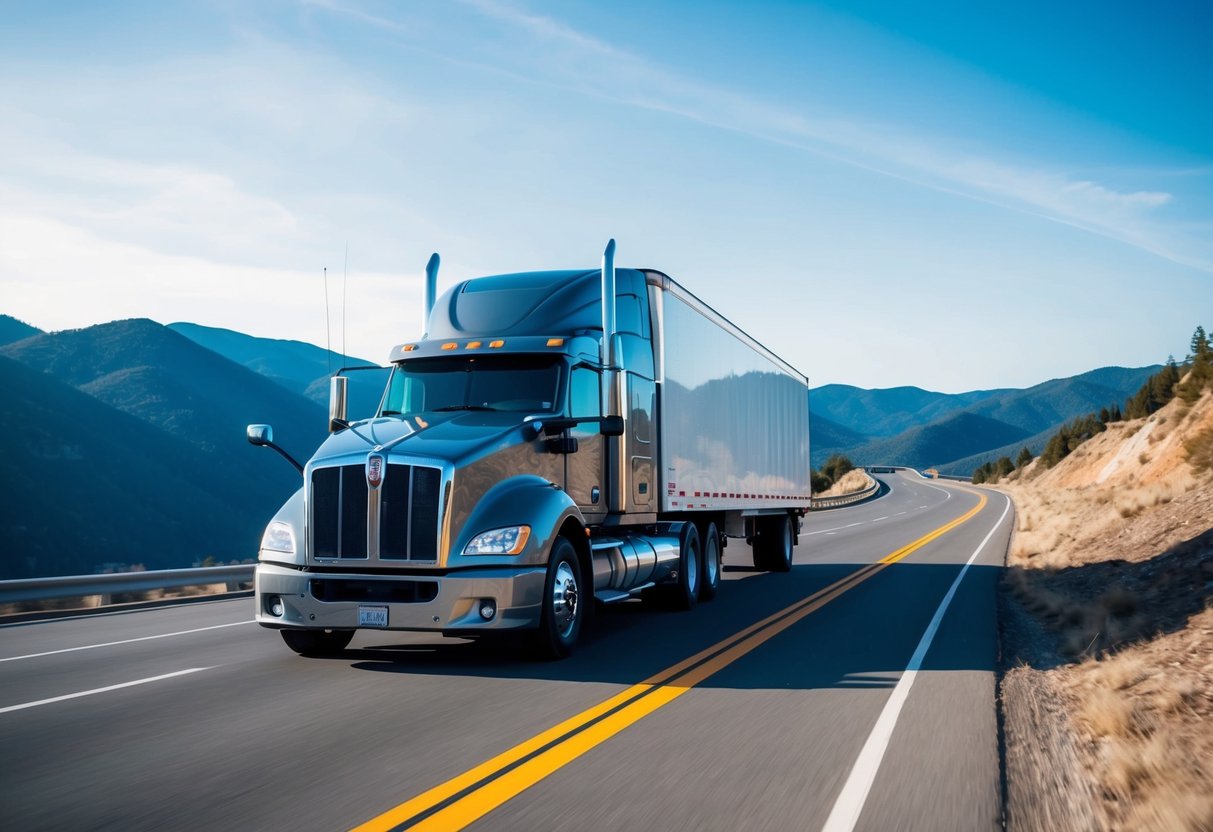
(514,383)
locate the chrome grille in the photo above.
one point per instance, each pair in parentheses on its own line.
(406,507)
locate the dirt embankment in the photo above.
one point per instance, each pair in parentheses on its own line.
(854,480)
(1108,631)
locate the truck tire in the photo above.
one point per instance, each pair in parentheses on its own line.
(709,575)
(773,543)
(563,605)
(683,594)
(317,642)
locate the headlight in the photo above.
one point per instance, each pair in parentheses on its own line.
(279,537)
(508,541)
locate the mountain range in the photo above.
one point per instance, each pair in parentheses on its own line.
(123,443)
(957,432)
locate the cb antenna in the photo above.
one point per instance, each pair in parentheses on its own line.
(328,335)
(345,280)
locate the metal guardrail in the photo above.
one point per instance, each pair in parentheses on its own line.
(820,503)
(107,585)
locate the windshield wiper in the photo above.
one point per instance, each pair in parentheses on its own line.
(450,407)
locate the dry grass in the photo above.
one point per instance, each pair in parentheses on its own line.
(1199,450)
(1104,714)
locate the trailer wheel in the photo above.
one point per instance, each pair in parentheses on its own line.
(563,606)
(773,543)
(709,578)
(683,594)
(317,642)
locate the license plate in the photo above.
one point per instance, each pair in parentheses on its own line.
(372,616)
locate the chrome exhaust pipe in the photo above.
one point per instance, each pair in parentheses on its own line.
(431,292)
(609,358)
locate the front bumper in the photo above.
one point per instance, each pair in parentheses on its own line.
(453,605)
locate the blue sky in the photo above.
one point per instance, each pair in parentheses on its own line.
(952,195)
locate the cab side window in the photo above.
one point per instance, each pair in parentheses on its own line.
(584,392)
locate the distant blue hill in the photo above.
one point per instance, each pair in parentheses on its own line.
(827,437)
(298,366)
(890,411)
(923,446)
(86,484)
(12,330)
(1003,418)
(193,404)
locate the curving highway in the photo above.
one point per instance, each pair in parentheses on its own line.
(856,692)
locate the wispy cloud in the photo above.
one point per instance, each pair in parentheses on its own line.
(546,51)
(58,276)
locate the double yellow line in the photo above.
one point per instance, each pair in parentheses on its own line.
(462,800)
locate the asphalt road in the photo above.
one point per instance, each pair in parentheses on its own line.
(852,710)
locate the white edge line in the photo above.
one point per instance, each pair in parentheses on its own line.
(100,690)
(126,641)
(849,805)
(945,491)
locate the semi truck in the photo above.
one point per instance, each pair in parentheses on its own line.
(554,440)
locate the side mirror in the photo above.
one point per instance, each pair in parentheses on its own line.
(260,435)
(263,437)
(611,426)
(337,403)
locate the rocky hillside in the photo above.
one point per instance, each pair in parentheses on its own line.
(1108,631)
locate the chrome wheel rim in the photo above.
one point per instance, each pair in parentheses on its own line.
(565,600)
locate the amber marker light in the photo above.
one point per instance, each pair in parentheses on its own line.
(472,345)
(496,344)
(408,347)
(555,342)
(451,346)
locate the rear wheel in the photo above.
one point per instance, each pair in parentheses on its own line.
(317,642)
(773,543)
(709,578)
(564,603)
(683,594)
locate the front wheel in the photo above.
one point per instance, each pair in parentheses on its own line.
(317,642)
(564,601)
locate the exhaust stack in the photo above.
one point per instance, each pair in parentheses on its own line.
(608,306)
(431,291)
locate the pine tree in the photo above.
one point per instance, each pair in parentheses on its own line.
(1200,343)
(1201,373)
(1025,456)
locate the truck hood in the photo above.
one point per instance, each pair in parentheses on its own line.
(453,436)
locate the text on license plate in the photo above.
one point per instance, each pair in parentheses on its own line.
(372,616)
